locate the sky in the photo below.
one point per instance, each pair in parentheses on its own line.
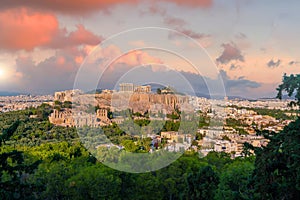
(242,47)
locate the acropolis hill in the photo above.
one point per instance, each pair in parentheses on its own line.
(136,98)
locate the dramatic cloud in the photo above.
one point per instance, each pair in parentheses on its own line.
(64,6)
(178,24)
(273,63)
(75,7)
(230,52)
(55,73)
(22,29)
(239,85)
(26,29)
(135,58)
(112,55)
(58,72)
(78,37)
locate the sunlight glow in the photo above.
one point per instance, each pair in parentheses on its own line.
(1,72)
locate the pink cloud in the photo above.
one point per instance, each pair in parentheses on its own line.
(22,29)
(58,71)
(79,59)
(135,58)
(64,6)
(78,37)
(25,29)
(60,60)
(230,52)
(83,36)
(178,24)
(54,73)
(113,57)
(75,7)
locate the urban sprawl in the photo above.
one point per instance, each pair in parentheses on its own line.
(222,125)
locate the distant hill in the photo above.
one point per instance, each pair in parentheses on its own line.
(5,93)
(284,97)
(96,91)
(155,86)
(239,97)
(287,97)
(207,96)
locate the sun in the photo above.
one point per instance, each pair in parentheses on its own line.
(2,73)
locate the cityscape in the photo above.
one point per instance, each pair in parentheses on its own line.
(159,99)
(238,119)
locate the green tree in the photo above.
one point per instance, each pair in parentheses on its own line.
(203,184)
(14,171)
(158,91)
(94,182)
(129,145)
(218,160)
(277,172)
(67,104)
(234,181)
(291,85)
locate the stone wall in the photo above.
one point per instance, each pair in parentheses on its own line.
(71,118)
(67,95)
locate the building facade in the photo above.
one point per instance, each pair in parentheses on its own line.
(130,87)
(68,118)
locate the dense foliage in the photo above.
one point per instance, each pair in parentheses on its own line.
(290,85)
(42,161)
